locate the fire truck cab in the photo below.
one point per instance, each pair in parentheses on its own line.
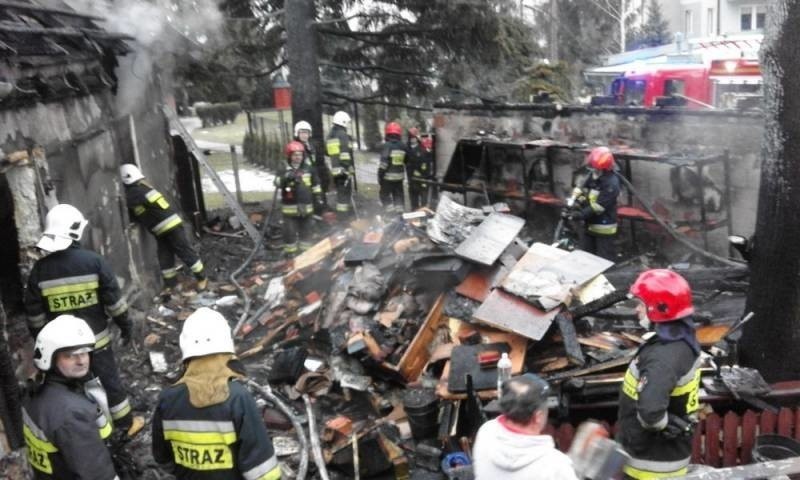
(643,86)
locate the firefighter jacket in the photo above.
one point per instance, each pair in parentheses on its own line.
(300,191)
(222,438)
(65,433)
(600,212)
(340,152)
(149,207)
(78,282)
(310,157)
(661,384)
(418,163)
(392,167)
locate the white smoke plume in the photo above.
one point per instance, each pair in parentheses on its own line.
(163,29)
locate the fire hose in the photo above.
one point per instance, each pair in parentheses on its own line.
(674,233)
(256,248)
(316,449)
(266,392)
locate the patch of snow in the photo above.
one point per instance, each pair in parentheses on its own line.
(249,180)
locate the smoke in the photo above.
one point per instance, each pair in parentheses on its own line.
(164,31)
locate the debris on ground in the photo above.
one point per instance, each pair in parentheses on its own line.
(383,338)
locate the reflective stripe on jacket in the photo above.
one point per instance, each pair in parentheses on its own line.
(663,379)
(64,432)
(222,441)
(393,161)
(75,281)
(339,151)
(601,212)
(149,207)
(300,191)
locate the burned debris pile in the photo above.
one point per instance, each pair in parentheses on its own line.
(386,335)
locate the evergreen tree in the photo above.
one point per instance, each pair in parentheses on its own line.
(655,30)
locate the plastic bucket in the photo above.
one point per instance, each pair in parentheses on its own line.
(775,447)
(422,410)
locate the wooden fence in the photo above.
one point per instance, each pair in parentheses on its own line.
(719,441)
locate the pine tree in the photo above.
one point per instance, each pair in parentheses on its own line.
(655,30)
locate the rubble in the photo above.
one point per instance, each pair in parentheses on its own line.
(380,342)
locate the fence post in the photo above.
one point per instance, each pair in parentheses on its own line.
(235,162)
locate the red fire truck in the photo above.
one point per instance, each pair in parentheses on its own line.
(721,84)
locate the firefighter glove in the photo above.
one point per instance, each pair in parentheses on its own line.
(677,427)
(125,326)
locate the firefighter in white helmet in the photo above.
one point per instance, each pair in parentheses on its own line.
(65,422)
(149,207)
(302,134)
(72,280)
(340,153)
(207,424)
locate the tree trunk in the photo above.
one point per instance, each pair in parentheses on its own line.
(302,55)
(771,341)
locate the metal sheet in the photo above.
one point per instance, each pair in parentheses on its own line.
(578,267)
(487,242)
(507,312)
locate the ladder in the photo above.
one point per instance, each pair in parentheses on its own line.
(230,199)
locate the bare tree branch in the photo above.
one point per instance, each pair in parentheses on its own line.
(386,32)
(366,101)
(367,68)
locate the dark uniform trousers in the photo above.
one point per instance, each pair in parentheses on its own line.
(662,380)
(340,153)
(601,215)
(391,173)
(79,282)
(418,192)
(149,207)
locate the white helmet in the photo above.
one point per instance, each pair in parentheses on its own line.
(341,118)
(302,125)
(63,332)
(205,332)
(130,173)
(63,224)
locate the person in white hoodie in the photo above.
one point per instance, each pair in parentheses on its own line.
(512,446)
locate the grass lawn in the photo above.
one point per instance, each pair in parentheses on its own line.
(233,133)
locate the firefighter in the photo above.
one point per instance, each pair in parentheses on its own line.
(65,423)
(419,167)
(340,154)
(207,424)
(301,196)
(77,281)
(302,133)
(392,169)
(659,397)
(149,207)
(599,204)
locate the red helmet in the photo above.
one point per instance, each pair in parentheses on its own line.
(413,132)
(295,146)
(393,128)
(600,158)
(427,143)
(666,295)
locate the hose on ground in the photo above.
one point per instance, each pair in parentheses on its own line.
(258,244)
(674,233)
(266,392)
(316,449)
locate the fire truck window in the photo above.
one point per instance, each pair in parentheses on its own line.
(674,86)
(634,92)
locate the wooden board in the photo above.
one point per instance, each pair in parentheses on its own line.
(490,239)
(420,350)
(711,334)
(507,312)
(479,282)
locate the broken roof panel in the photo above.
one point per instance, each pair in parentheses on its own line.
(486,243)
(507,312)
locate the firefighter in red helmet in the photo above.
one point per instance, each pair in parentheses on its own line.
(659,397)
(301,196)
(599,208)
(392,169)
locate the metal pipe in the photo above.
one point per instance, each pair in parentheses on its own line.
(319,460)
(266,392)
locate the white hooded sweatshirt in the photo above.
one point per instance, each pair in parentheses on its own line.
(503,453)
